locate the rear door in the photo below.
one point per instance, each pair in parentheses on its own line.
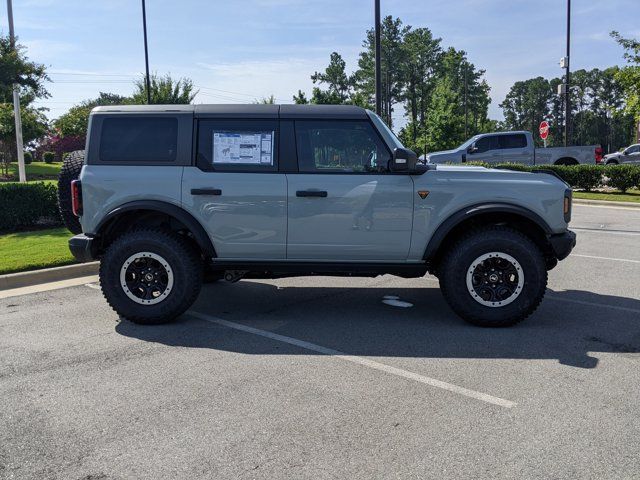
(344,204)
(513,149)
(235,189)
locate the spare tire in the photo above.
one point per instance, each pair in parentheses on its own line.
(70,170)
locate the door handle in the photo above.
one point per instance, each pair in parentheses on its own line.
(311,193)
(206,191)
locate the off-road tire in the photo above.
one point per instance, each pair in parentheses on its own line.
(185,264)
(70,170)
(458,261)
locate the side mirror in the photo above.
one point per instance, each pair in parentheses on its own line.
(472,149)
(404,160)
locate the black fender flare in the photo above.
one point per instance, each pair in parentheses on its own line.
(479,209)
(195,227)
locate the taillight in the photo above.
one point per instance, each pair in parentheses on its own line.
(599,155)
(567,205)
(76,197)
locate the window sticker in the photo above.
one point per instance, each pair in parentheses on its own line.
(243,148)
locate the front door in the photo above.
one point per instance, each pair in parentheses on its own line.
(345,205)
(235,190)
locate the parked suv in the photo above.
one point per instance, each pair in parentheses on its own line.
(168,194)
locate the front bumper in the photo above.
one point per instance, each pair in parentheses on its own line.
(82,248)
(562,244)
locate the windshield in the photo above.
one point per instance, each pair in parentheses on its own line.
(468,143)
(385,131)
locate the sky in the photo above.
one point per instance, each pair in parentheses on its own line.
(237,51)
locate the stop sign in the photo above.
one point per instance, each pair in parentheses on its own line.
(544,129)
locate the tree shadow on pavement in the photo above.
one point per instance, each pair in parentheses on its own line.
(567,326)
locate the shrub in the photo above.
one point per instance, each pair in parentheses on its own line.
(48,157)
(623,177)
(26,205)
(60,145)
(28,158)
(586,177)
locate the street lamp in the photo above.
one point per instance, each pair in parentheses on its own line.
(146,51)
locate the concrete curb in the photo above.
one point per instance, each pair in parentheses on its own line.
(580,201)
(46,275)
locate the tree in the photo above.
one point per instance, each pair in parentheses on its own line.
(270,100)
(393,56)
(34,125)
(15,68)
(75,121)
(164,90)
(527,104)
(629,76)
(339,84)
(300,98)
(422,54)
(445,124)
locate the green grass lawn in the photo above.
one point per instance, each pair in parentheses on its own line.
(629,196)
(36,171)
(33,250)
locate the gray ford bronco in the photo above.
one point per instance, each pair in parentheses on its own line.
(170,196)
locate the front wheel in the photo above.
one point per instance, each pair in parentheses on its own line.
(494,277)
(151,276)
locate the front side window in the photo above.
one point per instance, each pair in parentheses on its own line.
(486,144)
(139,139)
(633,149)
(330,146)
(237,145)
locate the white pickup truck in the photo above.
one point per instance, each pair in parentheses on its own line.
(515,147)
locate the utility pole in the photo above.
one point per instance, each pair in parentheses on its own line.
(466,110)
(567,103)
(16,103)
(378,59)
(146,51)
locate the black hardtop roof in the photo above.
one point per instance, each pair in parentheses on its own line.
(245,110)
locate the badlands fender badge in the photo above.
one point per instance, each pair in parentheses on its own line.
(423,194)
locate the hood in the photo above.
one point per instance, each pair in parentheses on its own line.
(445,156)
(613,155)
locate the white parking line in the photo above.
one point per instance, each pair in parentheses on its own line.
(610,207)
(358,360)
(45,287)
(602,230)
(606,258)
(593,304)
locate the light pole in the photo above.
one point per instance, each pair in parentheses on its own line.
(378,59)
(567,102)
(466,110)
(146,51)
(16,103)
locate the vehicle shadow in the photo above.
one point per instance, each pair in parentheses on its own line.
(567,326)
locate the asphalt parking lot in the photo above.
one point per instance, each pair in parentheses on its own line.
(317,378)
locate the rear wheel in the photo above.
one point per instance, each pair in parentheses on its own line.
(494,277)
(151,276)
(71,167)
(567,161)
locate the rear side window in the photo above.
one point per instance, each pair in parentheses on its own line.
(513,141)
(139,139)
(238,145)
